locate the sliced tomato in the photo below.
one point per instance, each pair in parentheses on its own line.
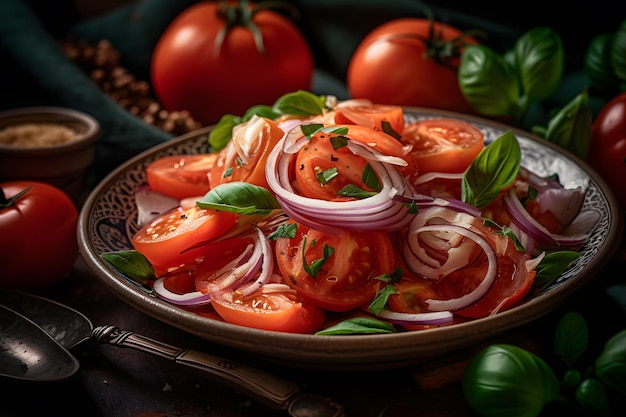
(181,176)
(165,240)
(181,281)
(443,144)
(347,278)
(245,155)
(374,116)
(321,155)
(512,283)
(317,157)
(381,141)
(410,298)
(411,295)
(281,311)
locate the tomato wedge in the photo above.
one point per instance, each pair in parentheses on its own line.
(281,311)
(443,145)
(371,115)
(181,176)
(165,240)
(244,157)
(347,278)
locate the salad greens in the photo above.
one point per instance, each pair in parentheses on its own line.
(299,103)
(505,380)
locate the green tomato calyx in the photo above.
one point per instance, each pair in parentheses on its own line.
(242,14)
(8,202)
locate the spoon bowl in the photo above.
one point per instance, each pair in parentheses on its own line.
(28,353)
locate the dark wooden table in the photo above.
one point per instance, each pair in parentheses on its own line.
(119,382)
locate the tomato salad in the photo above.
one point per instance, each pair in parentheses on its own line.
(352,213)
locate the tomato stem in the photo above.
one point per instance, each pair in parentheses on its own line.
(242,14)
(8,202)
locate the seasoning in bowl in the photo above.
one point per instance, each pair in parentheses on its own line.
(37,134)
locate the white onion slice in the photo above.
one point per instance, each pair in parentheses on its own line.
(459,251)
(430,318)
(151,204)
(482,288)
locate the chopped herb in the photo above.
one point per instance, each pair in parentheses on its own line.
(316,266)
(325,176)
(284,231)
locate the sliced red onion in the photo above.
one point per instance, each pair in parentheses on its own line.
(266,271)
(189,299)
(564,204)
(430,318)
(527,224)
(379,212)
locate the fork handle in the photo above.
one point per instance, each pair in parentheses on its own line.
(267,388)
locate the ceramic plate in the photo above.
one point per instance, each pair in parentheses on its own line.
(107,222)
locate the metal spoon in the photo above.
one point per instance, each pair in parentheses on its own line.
(29,353)
(66,328)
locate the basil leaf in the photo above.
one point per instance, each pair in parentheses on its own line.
(316,265)
(571,338)
(379,303)
(551,266)
(301,103)
(592,396)
(506,380)
(598,67)
(618,52)
(610,366)
(359,325)
(241,198)
(539,57)
(488,82)
(260,111)
(131,263)
(222,132)
(570,127)
(493,170)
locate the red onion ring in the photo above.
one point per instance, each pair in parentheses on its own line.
(379,212)
(190,299)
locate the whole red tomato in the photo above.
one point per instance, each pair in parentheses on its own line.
(38,244)
(410,62)
(607,149)
(211,62)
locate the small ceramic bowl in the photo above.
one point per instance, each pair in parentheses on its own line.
(55,145)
